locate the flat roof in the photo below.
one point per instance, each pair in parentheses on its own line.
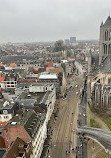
(34,97)
(48,76)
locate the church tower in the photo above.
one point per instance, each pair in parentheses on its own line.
(105,40)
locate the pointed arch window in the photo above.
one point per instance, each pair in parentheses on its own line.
(106,35)
(110,35)
(105,49)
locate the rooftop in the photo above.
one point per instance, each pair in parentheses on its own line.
(2,142)
(11,75)
(32,97)
(2,124)
(2,151)
(6,104)
(17,148)
(106,65)
(48,76)
(45,97)
(108,22)
(23,85)
(30,120)
(1,79)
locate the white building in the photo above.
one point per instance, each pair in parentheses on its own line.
(48,99)
(6,111)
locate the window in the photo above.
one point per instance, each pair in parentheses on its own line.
(105,49)
(106,35)
(110,35)
(6,117)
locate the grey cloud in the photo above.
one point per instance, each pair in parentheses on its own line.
(42,20)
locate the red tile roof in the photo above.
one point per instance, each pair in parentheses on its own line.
(2,124)
(51,64)
(12,65)
(17,147)
(12,132)
(1,79)
(2,142)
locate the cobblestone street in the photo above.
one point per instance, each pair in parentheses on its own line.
(64,128)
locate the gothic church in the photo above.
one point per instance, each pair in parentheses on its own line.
(99,71)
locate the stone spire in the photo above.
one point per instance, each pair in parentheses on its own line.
(101,24)
(108,21)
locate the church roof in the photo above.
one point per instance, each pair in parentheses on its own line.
(105,66)
(108,21)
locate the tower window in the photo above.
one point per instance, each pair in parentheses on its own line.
(106,35)
(110,35)
(105,49)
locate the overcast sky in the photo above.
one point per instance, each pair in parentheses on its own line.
(50,20)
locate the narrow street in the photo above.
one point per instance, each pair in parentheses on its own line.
(64,129)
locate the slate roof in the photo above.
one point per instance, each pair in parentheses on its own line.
(12,70)
(30,121)
(108,21)
(11,75)
(106,65)
(27,102)
(45,98)
(95,59)
(32,97)
(23,85)
(34,122)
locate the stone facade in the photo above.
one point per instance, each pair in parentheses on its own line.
(105,39)
(99,71)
